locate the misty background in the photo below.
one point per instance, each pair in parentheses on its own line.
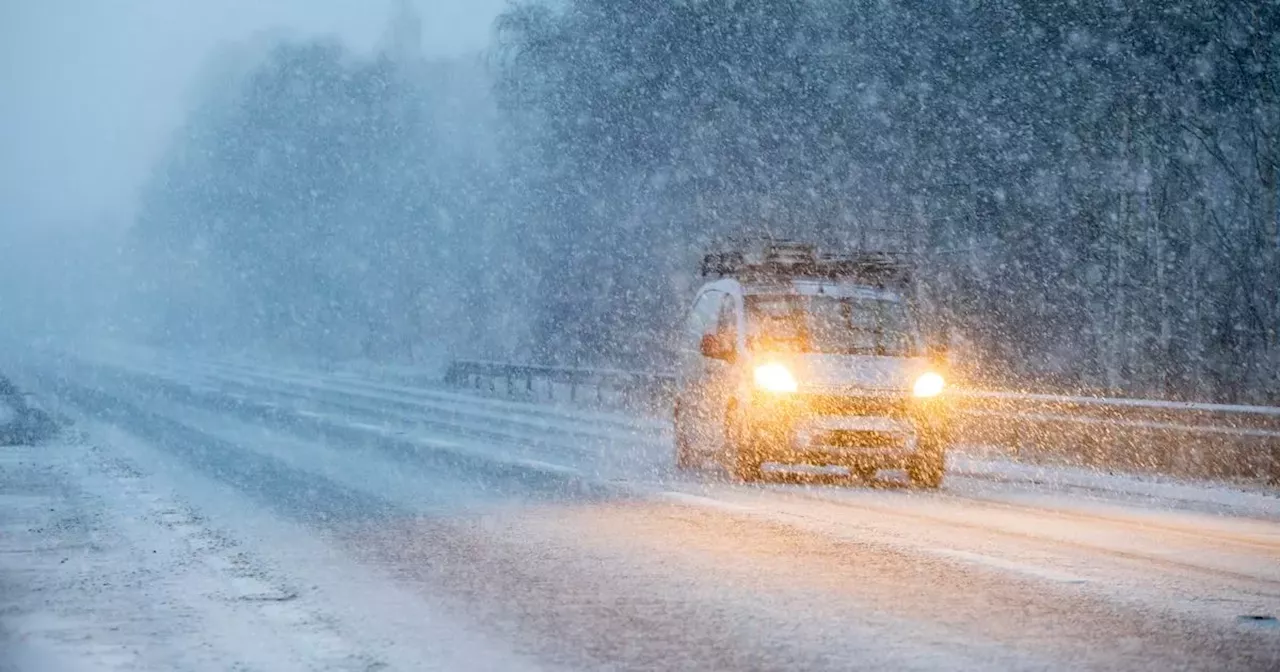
(1091,189)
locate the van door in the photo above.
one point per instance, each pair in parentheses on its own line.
(719,376)
(692,367)
(701,314)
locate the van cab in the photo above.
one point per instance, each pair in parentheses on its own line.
(791,356)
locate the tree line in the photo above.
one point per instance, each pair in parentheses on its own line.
(317,202)
(1090,188)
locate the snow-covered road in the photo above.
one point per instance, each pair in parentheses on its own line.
(203,515)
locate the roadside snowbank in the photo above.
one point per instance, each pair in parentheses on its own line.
(20,421)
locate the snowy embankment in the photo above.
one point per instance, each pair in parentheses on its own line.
(9,414)
(20,422)
(96,569)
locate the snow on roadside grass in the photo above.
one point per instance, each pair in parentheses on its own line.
(1247,499)
(9,411)
(102,572)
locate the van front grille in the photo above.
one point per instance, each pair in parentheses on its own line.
(859,438)
(845,405)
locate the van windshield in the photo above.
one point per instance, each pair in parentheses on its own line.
(832,325)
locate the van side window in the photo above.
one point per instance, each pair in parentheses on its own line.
(727,322)
(702,319)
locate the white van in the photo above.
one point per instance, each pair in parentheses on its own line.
(795,357)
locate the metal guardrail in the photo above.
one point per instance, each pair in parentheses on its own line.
(633,384)
(1221,440)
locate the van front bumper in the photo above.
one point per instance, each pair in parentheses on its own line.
(859,430)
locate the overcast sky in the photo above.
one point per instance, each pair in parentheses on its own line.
(90,89)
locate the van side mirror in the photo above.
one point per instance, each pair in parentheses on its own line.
(715,347)
(939,344)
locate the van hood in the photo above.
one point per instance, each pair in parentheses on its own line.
(827,373)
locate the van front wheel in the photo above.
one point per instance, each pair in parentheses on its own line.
(746,467)
(928,466)
(743,459)
(684,454)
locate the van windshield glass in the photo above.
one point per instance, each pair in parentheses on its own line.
(833,325)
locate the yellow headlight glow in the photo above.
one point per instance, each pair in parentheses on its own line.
(929,384)
(775,378)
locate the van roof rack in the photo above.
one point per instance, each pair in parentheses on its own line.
(772,260)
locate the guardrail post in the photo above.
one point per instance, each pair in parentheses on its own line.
(1274,475)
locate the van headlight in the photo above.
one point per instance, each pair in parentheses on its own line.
(775,377)
(929,384)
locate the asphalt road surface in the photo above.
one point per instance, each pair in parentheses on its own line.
(211,515)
